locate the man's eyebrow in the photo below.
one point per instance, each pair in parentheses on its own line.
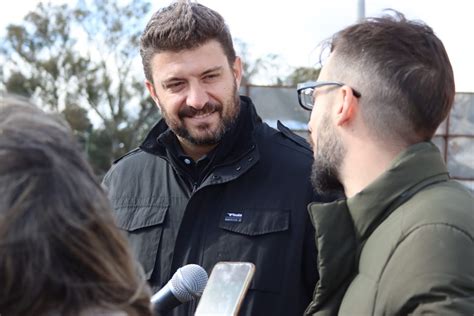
(217,68)
(173,79)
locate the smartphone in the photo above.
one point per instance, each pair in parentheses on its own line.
(225,289)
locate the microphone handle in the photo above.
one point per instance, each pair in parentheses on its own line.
(164,301)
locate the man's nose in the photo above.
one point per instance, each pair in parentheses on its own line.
(197,97)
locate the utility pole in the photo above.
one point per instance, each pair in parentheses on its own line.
(360,10)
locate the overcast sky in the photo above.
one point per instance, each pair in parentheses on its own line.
(292,29)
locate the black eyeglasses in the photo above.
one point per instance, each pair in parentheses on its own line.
(306,92)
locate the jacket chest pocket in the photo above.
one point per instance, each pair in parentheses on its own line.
(144,227)
(260,236)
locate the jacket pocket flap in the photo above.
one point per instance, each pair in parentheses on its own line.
(257,221)
(133,217)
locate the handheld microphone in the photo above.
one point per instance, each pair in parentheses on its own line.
(187,283)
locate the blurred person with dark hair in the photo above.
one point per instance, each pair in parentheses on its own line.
(402,243)
(60,250)
(211,182)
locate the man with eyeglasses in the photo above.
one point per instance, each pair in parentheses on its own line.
(402,242)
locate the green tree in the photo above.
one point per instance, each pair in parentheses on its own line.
(83,62)
(268,65)
(302,74)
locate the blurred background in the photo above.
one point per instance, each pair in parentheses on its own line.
(81,59)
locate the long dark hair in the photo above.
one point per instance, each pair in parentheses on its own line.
(60,250)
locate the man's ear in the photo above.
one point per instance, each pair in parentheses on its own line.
(347,107)
(237,68)
(151,88)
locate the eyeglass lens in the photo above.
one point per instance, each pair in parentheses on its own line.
(307,97)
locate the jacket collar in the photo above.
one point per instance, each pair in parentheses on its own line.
(420,164)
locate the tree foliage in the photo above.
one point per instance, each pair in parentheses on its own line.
(302,74)
(272,69)
(267,66)
(83,61)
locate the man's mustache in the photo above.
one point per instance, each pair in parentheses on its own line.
(189,111)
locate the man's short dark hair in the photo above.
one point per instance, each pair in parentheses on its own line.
(403,72)
(183,25)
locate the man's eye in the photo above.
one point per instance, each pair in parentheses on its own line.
(211,76)
(174,85)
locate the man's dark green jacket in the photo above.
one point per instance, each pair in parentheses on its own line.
(404,245)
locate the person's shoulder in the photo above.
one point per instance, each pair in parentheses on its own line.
(435,260)
(284,140)
(447,202)
(442,210)
(131,155)
(135,156)
(125,164)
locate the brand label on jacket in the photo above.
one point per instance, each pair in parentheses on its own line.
(233,217)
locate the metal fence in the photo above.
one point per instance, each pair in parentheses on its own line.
(454,137)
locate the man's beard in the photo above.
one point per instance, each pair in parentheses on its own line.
(327,161)
(228,113)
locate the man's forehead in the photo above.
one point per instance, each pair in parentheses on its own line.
(195,61)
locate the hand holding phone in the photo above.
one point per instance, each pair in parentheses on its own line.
(225,289)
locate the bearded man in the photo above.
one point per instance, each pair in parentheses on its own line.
(402,243)
(211,182)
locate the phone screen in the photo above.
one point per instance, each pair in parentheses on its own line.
(225,289)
